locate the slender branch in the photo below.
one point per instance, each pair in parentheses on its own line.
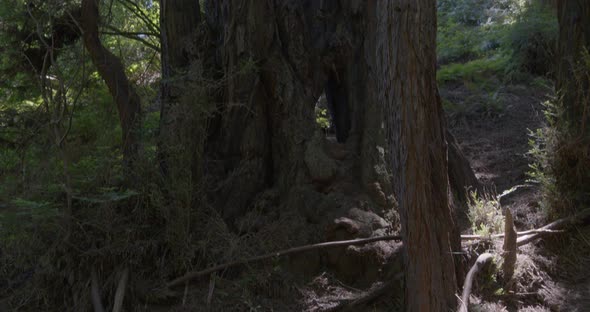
(116,31)
(529,236)
(192,275)
(139,13)
(133,36)
(581,217)
(534,231)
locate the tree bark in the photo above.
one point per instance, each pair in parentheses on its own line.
(574,37)
(276,58)
(180,145)
(572,163)
(112,71)
(406,69)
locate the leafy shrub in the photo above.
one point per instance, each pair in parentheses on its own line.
(485,214)
(472,70)
(478,12)
(455,42)
(532,39)
(560,152)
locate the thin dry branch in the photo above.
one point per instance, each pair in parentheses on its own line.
(578,218)
(192,275)
(529,236)
(481,261)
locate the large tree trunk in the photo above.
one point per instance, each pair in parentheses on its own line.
(265,135)
(572,163)
(181,133)
(112,71)
(406,80)
(574,37)
(273,60)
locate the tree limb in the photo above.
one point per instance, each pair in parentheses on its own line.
(578,218)
(529,236)
(133,36)
(192,275)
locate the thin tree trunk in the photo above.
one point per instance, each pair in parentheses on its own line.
(406,61)
(112,71)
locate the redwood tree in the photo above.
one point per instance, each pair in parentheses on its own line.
(111,69)
(572,163)
(406,58)
(273,60)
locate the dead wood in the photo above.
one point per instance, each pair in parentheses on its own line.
(578,218)
(481,261)
(529,236)
(509,247)
(192,275)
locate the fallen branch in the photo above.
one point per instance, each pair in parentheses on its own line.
(535,231)
(481,261)
(528,237)
(578,218)
(192,275)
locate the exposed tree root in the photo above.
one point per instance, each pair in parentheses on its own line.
(578,218)
(372,295)
(482,260)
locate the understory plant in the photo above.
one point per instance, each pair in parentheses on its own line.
(485,214)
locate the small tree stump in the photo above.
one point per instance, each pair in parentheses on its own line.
(509,247)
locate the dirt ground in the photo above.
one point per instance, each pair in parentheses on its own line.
(553,274)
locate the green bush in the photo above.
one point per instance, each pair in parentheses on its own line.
(485,214)
(532,39)
(472,70)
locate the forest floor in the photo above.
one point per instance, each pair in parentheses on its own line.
(551,274)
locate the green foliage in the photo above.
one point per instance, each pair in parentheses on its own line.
(474,71)
(559,152)
(321,117)
(532,39)
(485,214)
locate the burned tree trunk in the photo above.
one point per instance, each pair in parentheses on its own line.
(264,134)
(259,136)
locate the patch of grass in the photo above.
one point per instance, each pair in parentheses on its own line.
(473,71)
